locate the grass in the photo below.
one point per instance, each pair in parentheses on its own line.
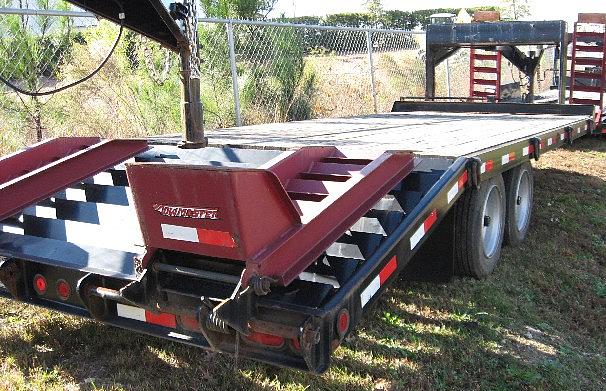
(538,323)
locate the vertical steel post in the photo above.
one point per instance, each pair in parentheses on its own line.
(192,112)
(563,64)
(371,64)
(234,72)
(448,88)
(191,107)
(430,72)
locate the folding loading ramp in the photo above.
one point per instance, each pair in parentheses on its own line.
(588,62)
(485,74)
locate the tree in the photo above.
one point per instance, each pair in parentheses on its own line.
(32,51)
(375,9)
(516,9)
(237,9)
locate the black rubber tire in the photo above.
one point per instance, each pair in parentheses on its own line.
(470,259)
(513,234)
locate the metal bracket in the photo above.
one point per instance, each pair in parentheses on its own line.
(262,285)
(11,276)
(568,130)
(178,11)
(136,291)
(310,337)
(237,311)
(474,170)
(95,305)
(536,144)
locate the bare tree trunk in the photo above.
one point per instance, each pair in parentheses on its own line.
(37,117)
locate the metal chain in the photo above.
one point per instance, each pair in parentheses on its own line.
(158,76)
(191,31)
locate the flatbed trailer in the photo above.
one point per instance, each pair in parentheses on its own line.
(274,241)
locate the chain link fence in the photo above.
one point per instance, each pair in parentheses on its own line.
(283,72)
(251,72)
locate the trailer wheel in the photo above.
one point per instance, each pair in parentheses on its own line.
(479,228)
(519,185)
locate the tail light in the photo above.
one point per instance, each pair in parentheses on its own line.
(274,341)
(40,284)
(63,290)
(343,322)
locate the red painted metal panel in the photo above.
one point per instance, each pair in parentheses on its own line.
(332,217)
(41,154)
(299,161)
(60,163)
(251,205)
(274,236)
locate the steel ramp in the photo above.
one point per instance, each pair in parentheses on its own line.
(588,62)
(277,219)
(36,173)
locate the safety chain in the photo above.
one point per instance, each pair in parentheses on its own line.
(191,32)
(158,76)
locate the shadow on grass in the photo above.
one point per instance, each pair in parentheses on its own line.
(94,355)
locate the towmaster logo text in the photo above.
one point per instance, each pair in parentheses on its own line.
(190,213)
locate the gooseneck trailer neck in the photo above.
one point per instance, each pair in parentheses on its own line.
(443,40)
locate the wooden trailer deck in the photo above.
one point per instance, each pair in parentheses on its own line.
(427,133)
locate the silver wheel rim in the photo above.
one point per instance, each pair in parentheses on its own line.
(522,202)
(492,221)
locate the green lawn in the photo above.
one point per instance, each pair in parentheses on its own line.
(538,323)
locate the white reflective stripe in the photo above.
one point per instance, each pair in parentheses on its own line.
(526,151)
(452,193)
(549,141)
(505,159)
(370,290)
(175,232)
(103,178)
(314,277)
(417,236)
(75,194)
(9,229)
(483,168)
(562,136)
(130,312)
(184,337)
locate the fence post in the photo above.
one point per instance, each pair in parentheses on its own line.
(371,64)
(234,72)
(448,89)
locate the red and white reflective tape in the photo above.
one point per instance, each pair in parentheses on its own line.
(550,141)
(528,150)
(415,239)
(379,280)
(141,315)
(487,166)
(457,187)
(198,235)
(508,158)
(562,136)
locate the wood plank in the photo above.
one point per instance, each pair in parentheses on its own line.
(426,133)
